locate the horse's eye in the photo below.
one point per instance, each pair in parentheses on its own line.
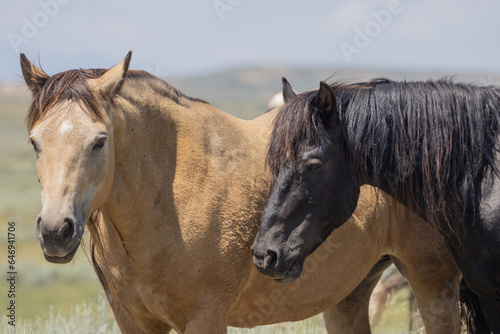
(100,143)
(35,148)
(313,165)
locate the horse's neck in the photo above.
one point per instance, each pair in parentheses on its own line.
(396,186)
(177,169)
(391,183)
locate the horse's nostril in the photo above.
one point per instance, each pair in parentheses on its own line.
(271,260)
(67,231)
(38,231)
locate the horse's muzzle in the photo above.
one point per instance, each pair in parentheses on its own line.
(271,264)
(59,238)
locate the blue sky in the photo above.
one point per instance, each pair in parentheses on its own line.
(179,38)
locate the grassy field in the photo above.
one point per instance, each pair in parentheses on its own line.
(68,298)
(94,317)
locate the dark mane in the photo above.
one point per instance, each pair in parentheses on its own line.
(434,138)
(73,85)
(297,126)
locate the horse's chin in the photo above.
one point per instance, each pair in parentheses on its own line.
(62,259)
(293,273)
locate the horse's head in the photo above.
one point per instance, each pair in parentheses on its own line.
(312,192)
(69,124)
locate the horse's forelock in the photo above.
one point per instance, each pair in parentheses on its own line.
(69,85)
(73,85)
(297,126)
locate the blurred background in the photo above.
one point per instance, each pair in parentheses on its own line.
(231,53)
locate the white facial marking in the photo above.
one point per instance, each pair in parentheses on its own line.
(65,126)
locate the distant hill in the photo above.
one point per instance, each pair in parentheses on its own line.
(246,92)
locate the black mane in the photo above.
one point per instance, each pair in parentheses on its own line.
(433,137)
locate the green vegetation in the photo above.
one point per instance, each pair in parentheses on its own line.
(94,316)
(86,318)
(19,190)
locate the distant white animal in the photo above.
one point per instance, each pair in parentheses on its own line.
(275,101)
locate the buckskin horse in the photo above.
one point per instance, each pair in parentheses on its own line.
(172,190)
(433,146)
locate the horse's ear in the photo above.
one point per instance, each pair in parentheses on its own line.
(288,93)
(325,99)
(326,102)
(111,81)
(34,77)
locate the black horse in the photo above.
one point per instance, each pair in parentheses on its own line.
(431,145)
